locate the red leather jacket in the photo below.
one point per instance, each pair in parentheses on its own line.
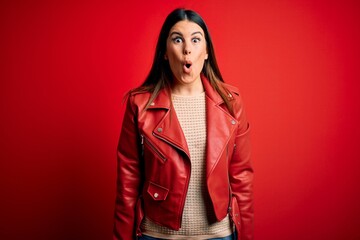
(154,166)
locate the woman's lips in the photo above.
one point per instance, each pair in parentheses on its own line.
(187,67)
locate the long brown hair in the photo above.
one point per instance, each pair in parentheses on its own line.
(160,75)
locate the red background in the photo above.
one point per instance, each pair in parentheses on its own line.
(65,66)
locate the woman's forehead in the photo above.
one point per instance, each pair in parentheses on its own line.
(186,27)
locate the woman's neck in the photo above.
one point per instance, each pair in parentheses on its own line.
(192,89)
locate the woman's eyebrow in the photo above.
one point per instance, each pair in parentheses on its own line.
(179,33)
(197,33)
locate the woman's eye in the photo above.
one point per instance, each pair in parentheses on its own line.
(177,40)
(196,40)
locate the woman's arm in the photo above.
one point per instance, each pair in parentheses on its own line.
(128,176)
(241,176)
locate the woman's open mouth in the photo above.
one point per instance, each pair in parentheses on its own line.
(187,67)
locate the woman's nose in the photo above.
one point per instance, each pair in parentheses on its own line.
(187,48)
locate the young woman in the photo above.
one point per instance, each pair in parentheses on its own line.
(184,169)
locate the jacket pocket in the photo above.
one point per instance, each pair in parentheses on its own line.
(157,192)
(152,148)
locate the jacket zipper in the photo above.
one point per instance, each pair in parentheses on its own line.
(185,194)
(149,143)
(187,178)
(170,143)
(228,179)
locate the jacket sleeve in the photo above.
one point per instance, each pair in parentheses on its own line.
(128,176)
(241,176)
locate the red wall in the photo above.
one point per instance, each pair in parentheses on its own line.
(65,66)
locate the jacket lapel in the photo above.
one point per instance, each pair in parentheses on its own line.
(220,126)
(168,129)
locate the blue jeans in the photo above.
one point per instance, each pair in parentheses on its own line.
(230,237)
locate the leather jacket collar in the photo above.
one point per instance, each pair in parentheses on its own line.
(219,122)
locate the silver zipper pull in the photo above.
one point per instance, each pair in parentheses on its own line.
(142,144)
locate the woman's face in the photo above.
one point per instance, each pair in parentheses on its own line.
(186,52)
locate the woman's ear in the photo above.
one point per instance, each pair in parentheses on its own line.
(166,57)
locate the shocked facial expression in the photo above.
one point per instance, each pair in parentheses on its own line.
(186,51)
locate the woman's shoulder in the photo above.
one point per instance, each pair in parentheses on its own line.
(137,97)
(139,93)
(231,88)
(140,97)
(234,97)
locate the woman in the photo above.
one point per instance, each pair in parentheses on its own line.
(184,168)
